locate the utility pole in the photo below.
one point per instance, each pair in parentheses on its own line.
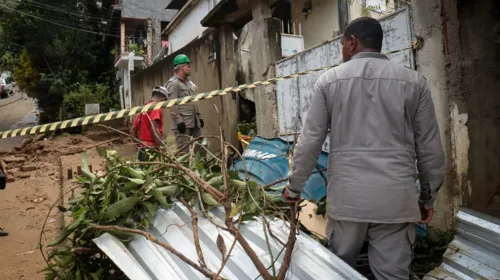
(149,42)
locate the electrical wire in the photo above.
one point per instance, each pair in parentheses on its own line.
(60,24)
(72,27)
(81,15)
(62,10)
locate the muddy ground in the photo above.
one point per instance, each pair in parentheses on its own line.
(25,203)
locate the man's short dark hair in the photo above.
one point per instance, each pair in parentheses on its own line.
(368,31)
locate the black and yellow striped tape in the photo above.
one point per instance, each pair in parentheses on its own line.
(165,104)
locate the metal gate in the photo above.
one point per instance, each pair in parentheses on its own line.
(294,95)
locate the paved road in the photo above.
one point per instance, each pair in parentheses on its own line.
(16,112)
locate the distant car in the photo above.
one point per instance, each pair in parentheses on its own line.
(6,87)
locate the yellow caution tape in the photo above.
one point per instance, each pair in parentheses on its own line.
(164,104)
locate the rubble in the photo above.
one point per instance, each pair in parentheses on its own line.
(24,175)
(13,159)
(28,168)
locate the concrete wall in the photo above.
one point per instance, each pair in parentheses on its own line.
(153,9)
(206,75)
(188,27)
(459,57)
(322,24)
(431,62)
(479,35)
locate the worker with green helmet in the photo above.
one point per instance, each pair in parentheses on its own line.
(186,120)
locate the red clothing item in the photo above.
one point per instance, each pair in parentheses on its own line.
(143,124)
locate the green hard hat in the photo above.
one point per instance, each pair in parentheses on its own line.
(181,59)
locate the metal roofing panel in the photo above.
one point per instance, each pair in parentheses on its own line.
(141,259)
(475,251)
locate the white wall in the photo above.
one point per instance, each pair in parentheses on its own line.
(322,24)
(356,9)
(189,26)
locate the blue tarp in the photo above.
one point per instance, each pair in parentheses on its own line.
(267,162)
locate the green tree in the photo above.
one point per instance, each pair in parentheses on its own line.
(54,46)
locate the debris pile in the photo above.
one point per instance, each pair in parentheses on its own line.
(125,198)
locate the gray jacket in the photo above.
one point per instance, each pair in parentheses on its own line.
(186,113)
(381,119)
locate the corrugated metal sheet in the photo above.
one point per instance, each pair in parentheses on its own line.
(475,251)
(143,260)
(266,161)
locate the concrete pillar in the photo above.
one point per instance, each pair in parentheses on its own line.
(156,37)
(122,37)
(229,103)
(266,50)
(431,62)
(149,40)
(260,9)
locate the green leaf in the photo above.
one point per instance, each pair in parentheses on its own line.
(160,197)
(85,168)
(168,190)
(94,276)
(137,181)
(59,250)
(121,207)
(209,199)
(137,174)
(152,209)
(62,236)
(80,178)
(128,186)
(233,174)
(234,211)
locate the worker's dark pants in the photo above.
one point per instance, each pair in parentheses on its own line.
(390,246)
(182,139)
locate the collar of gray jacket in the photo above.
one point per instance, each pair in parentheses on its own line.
(369,55)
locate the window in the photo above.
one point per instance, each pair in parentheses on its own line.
(377,5)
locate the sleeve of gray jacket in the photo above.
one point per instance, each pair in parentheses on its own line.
(311,139)
(430,155)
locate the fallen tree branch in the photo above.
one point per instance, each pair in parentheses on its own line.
(205,271)
(194,218)
(287,258)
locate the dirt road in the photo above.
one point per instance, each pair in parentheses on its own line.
(24,204)
(16,112)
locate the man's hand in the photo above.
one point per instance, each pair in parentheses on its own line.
(181,127)
(426,214)
(202,123)
(287,198)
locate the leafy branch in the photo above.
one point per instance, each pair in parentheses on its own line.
(125,199)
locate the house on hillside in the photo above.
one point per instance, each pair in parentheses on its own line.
(140,43)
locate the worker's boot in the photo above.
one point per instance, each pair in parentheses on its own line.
(3,233)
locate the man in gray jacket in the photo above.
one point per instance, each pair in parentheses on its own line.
(381,119)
